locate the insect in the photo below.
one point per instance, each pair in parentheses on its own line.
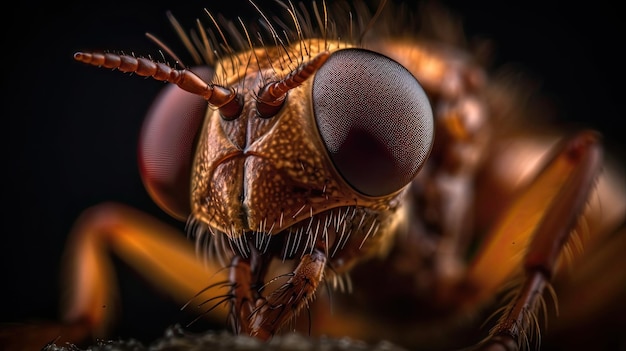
(455,89)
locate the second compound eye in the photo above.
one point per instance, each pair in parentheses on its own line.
(374,119)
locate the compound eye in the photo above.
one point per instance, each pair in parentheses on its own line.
(374,119)
(167,143)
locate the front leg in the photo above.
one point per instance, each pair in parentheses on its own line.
(532,235)
(157,251)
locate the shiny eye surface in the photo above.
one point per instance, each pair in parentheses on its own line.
(167,143)
(374,119)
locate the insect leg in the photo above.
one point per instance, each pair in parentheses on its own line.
(159,252)
(532,234)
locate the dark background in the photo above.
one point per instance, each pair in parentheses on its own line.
(70,130)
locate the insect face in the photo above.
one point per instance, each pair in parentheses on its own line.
(326,173)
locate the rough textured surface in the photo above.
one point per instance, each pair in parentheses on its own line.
(175,339)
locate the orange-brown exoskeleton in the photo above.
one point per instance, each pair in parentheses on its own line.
(325,150)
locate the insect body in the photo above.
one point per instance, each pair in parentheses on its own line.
(319,156)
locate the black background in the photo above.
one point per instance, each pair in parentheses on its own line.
(70,130)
